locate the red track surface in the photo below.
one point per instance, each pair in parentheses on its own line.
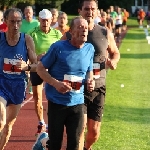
(25,127)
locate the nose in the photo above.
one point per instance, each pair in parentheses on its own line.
(90,11)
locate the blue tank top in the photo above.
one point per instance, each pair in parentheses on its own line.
(10,55)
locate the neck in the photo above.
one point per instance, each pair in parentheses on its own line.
(62,27)
(91,25)
(76,44)
(29,20)
(12,36)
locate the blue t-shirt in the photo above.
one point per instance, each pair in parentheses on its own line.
(69,64)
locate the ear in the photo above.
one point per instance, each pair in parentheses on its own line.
(79,10)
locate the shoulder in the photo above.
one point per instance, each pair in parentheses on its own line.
(101,29)
(59,43)
(33,31)
(55,30)
(28,39)
(89,46)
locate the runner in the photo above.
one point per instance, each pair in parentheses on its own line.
(65,82)
(62,23)
(94,102)
(43,37)
(15,48)
(54,23)
(3,26)
(28,23)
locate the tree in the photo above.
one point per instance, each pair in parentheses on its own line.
(4,4)
(148,3)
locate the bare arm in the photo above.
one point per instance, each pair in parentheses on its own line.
(31,52)
(90,81)
(113,52)
(60,86)
(22,65)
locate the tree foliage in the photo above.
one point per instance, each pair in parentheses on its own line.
(4,4)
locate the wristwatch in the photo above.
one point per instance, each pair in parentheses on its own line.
(29,68)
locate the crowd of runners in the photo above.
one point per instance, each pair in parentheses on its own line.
(69,61)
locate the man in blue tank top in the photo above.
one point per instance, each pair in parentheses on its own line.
(70,65)
(15,50)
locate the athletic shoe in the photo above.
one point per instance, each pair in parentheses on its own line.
(38,144)
(45,142)
(41,128)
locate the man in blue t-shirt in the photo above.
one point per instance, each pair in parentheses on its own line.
(70,65)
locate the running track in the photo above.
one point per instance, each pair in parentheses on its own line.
(25,127)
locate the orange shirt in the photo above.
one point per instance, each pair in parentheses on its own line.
(63,31)
(142,14)
(126,15)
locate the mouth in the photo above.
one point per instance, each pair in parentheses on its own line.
(89,17)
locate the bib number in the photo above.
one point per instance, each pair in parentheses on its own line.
(96,70)
(74,81)
(9,66)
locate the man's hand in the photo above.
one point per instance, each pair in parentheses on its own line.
(90,85)
(22,65)
(111,63)
(62,87)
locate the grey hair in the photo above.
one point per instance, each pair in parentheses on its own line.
(12,10)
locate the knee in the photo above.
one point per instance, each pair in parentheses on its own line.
(2,124)
(94,133)
(7,129)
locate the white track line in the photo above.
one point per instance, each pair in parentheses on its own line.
(25,102)
(28,100)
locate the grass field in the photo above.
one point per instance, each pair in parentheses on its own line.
(126,120)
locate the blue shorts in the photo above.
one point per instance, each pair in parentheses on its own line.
(13,91)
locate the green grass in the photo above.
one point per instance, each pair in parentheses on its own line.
(126,120)
(132,22)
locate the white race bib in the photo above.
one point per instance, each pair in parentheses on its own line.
(96,70)
(10,66)
(74,81)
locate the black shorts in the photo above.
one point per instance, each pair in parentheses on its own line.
(124,23)
(94,109)
(35,79)
(72,117)
(118,26)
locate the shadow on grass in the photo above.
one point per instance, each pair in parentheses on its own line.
(136,56)
(128,114)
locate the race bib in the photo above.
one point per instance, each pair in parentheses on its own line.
(96,70)
(74,81)
(10,66)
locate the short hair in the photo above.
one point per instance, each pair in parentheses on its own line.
(82,1)
(62,13)
(28,7)
(54,9)
(12,10)
(73,20)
